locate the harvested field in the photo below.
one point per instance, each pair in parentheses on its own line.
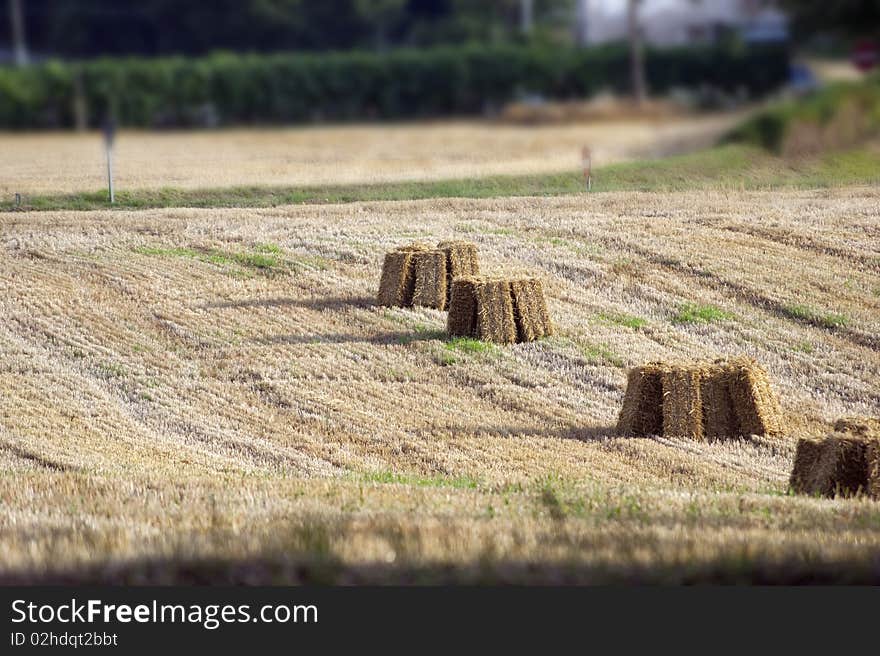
(186,384)
(59,163)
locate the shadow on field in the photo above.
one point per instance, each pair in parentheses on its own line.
(35,459)
(325,303)
(387,338)
(305,569)
(579,433)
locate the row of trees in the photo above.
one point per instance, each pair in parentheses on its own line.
(84,28)
(840,18)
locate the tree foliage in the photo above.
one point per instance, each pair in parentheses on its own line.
(85,28)
(849,18)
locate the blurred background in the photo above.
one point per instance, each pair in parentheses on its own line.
(629,78)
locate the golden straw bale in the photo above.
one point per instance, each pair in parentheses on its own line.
(495,321)
(642,411)
(806,458)
(682,405)
(754,402)
(461,261)
(719,400)
(836,465)
(462,318)
(530,309)
(430,279)
(498,310)
(397,281)
(719,417)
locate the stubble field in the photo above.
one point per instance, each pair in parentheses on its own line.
(217,386)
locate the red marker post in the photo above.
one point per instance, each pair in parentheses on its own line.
(587,157)
(866,55)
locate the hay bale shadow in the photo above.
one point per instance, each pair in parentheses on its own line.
(384,338)
(325,303)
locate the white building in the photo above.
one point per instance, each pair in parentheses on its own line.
(682,22)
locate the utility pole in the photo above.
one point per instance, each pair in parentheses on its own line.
(109,130)
(19,44)
(636,53)
(526,16)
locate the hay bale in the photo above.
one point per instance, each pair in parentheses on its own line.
(754,403)
(498,310)
(461,261)
(642,412)
(530,309)
(495,322)
(430,279)
(682,404)
(397,282)
(844,461)
(719,400)
(834,466)
(872,458)
(719,417)
(462,318)
(806,457)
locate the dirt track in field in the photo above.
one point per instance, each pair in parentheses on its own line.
(188,383)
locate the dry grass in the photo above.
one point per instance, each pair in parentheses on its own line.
(194,383)
(66,163)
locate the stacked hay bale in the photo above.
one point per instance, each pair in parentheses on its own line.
(682,403)
(417,274)
(462,320)
(498,310)
(397,284)
(495,321)
(755,405)
(719,400)
(429,286)
(642,411)
(845,463)
(461,261)
(530,312)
